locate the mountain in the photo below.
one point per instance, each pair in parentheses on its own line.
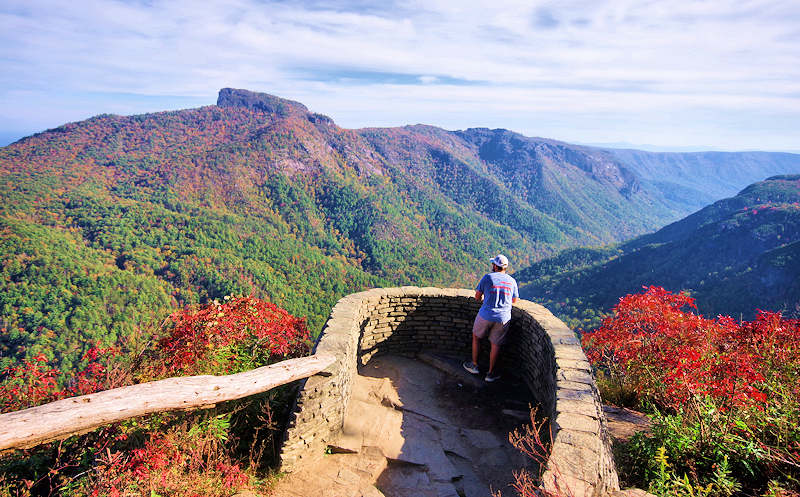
(736,255)
(108,224)
(697,179)
(551,192)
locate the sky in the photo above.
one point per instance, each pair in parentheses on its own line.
(662,75)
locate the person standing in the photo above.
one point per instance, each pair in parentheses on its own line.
(498,291)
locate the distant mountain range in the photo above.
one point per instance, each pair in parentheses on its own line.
(734,256)
(700,178)
(109,223)
(674,148)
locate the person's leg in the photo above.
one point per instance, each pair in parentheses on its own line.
(497,337)
(476,348)
(480,329)
(493,355)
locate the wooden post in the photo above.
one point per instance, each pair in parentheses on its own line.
(66,417)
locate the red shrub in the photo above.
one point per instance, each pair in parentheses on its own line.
(167,454)
(653,346)
(34,382)
(219,337)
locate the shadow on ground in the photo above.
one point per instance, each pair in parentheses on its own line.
(422,427)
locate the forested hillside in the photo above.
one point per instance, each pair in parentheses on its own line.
(111,223)
(697,179)
(734,256)
(552,193)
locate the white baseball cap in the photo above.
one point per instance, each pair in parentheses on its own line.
(500,260)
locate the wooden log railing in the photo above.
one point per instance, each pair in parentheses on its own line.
(76,415)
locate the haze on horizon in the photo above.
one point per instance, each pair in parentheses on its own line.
(683,75)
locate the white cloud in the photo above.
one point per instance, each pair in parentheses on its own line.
(572,64)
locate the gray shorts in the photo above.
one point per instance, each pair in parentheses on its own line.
(496,331)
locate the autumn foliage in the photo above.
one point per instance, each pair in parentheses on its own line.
(35,382)
(654,345)
(227,337)
(210,452)
(724,394)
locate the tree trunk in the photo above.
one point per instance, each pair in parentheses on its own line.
(66,417)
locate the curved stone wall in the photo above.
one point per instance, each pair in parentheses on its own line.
(541,350)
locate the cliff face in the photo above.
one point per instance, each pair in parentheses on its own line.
(262,102)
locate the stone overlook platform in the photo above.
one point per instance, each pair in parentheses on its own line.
(382,403)
(420,427)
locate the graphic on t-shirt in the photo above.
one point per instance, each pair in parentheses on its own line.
(498,289)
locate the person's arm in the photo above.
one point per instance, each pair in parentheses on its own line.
(514,300)
(479,289)
(515,295)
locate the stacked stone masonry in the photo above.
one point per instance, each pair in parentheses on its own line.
(541,350)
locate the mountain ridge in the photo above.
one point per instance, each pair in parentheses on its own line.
(260,195)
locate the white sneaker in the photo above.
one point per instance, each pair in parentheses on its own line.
(471,367)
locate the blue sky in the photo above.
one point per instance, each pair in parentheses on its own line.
(679,74)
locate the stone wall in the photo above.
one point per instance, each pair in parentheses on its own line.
(544,353)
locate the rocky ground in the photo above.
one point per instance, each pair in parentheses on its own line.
(421,428)
(426,428)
